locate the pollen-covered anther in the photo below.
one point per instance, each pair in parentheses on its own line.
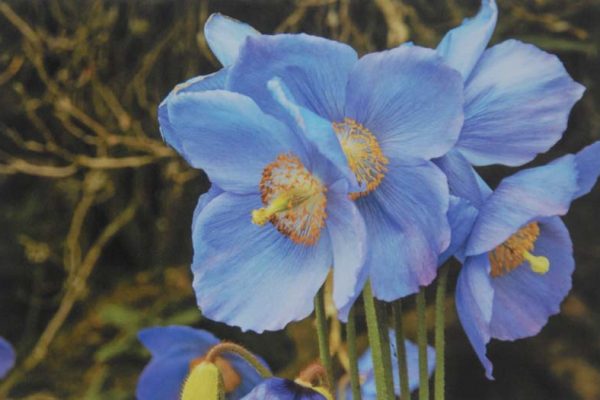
(516,250)
(294,200)
(363,153)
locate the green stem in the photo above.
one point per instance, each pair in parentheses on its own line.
(380,349)
(422,343)
(352,355)
(440,344)
(401,349)
(228,347)
(323,336)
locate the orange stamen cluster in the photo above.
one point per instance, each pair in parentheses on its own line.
(510,254)
(363,153)
(294,200)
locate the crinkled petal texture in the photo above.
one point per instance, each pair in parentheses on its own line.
(282,389)
(588,168)
(348,236)
(521,198)
(474,304)
(409,99)
(225,36)
(462,46)
(407,228)
(250,276)
(314,69)
(228,136)
(367,372)
(524,300)
(173,348)
(197,84)
(7,357)
(517,104)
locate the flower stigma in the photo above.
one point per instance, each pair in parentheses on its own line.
(516,250)
(363,153)
(294,200)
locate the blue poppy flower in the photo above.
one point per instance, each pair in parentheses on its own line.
(519,260)
(7,357)
(278,212)
(385,116)
(285,389)
(517,100)
(175,350)
(367,371)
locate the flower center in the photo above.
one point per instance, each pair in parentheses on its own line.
(294,200)
(516,250)
(231,379)
(364,155)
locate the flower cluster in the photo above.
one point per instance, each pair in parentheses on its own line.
(323,162)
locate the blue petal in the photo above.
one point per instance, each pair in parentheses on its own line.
(317,131)
(225,36)
(7,357)
(250,378)
(524,300)
(521,198)
(474,302)
(163,377)
(348,236)
(517,104)
(409,99)
(248,276)
(588,168)
(461,216)
(366,370)
(462,46)
(282,389)
(203,200)
(407,228)
(197,84)
(228,136)
(314,69)
(162,341)
(462,178)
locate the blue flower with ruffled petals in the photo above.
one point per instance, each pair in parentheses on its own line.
(285,389)
(517,101)
(383,117)
(278,215)
(175,349)
(7,357)
(367,372)
(519,260)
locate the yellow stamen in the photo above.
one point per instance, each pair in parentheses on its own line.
(539,264)
(319,389)
(363,153)
(294,200)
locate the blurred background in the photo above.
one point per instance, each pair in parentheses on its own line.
(95,210)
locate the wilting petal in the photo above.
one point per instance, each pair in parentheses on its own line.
(462,178)
(314,69)
(228,136)
(198,84)
(528,195)
(462,46)
(588,168)
(409,99)
(250,276)
(517,104)
(225,36)
(474,301)
(348,241)
(524,300)
(7,357)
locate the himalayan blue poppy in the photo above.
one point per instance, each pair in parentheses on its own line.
(7,357)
